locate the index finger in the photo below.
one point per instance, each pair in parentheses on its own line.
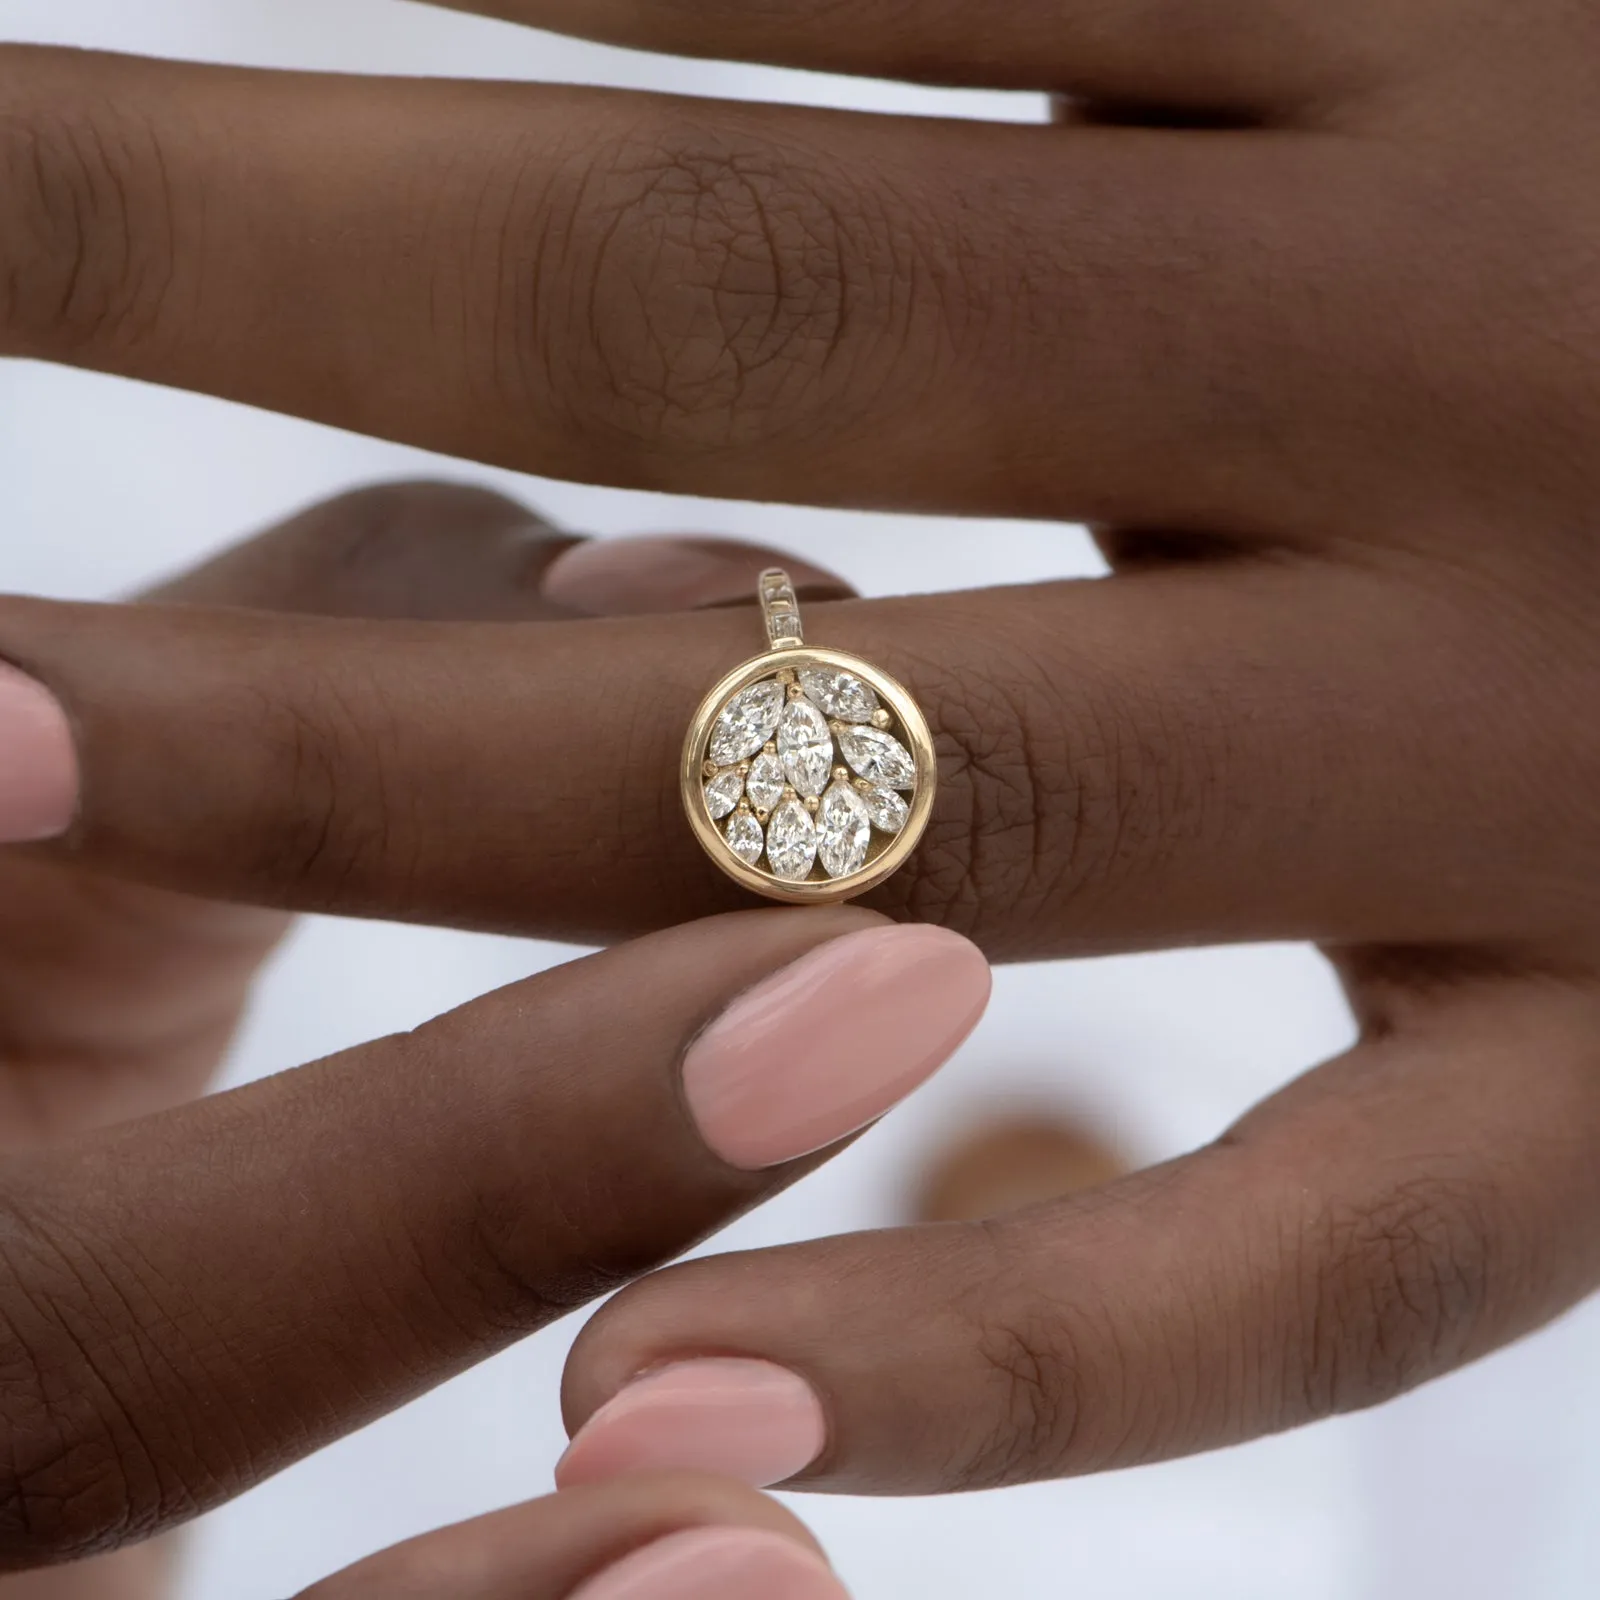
(193,1301)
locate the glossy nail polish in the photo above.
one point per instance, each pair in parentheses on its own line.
(748,1420)
(828,1045)
(38,765)
(717,1564)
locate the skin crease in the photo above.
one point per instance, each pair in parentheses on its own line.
(137,1020)
(134,1020)
(1297,302)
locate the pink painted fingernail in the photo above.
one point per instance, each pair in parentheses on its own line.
(826,1046)
(740,1419)
(38,765)
(625,577)
(717,1564)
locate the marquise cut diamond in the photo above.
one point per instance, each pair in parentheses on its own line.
(840,694)
(807,777)
(764,785)
(746,723)
(744,837)
(844,830)
(805,747)
(723,792)
(878,756)
(888,810)
(791,841)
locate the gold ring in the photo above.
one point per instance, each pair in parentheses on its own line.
(808,774)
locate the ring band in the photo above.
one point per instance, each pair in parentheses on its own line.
(808,774)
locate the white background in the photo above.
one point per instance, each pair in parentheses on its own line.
(1483,1486)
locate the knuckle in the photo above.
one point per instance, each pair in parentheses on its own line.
(1395,1291)
(86,222)
(1030,1359)
(382,523)
(1024,814)
(1054,790)
(1031,1352)
(79,1475)
(418,551)
(723,290)
(329,827)
(408,549)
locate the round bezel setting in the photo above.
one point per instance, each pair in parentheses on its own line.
(898,724)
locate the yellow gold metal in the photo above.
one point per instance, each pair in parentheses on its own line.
(780,610)
(786,656)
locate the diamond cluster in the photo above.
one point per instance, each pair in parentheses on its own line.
(802,768)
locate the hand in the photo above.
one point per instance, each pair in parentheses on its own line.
(1284,308)
(117,1000)
(649,1538)
(193,1300)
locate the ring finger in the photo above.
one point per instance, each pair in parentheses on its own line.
(1125,763)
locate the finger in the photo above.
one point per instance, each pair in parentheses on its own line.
(771,303)
(653,1537)
(396,550)
(632,577)
(194,1301)
(1387,1219)
(1185,755)
(1263,55)
(167,973)
(445,551)
(38,783)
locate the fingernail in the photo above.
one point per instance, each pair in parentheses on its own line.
(826,1046)
(38,765)
(748,1420)
(717,1564)
(630,577)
